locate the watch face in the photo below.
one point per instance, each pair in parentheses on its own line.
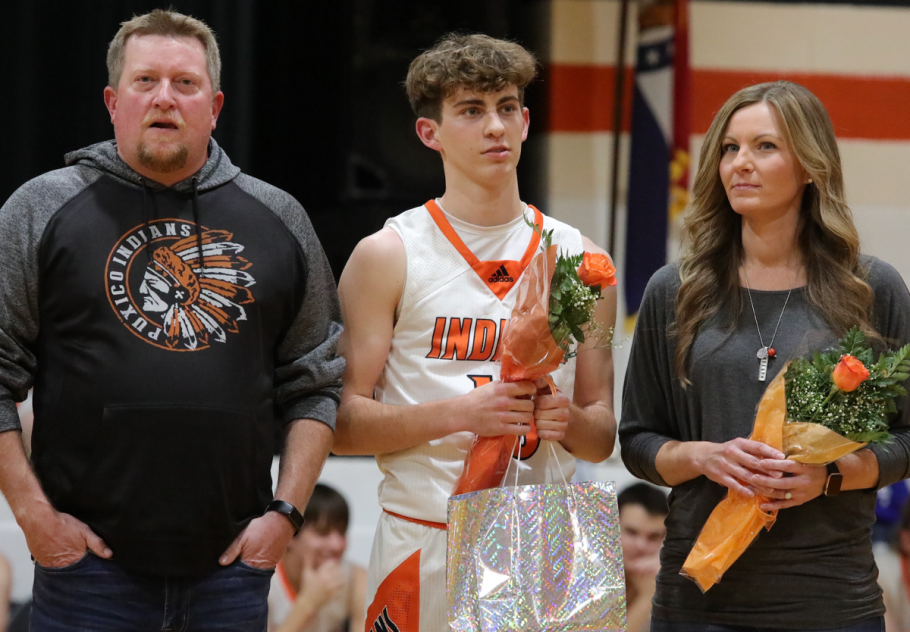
(832,487)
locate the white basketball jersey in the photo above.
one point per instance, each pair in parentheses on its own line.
(446,342)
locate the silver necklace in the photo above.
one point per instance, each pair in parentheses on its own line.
(766,351)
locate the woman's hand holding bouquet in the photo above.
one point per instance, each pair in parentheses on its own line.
(816,411)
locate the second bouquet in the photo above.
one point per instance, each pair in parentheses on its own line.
(815,411)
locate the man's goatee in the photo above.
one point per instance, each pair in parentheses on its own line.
(165,160)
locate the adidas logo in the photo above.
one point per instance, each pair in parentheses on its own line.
(501,276)
(384,623)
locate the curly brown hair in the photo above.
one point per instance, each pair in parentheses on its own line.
(476,62)
(712,231)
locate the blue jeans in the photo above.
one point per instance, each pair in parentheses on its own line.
(96,595)
(659,625)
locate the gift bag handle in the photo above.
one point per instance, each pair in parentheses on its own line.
(551,454)
(570,498)
(552,457)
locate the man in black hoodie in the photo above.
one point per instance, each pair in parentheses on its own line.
(168,311)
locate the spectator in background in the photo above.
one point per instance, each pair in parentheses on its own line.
(893,561)
(889,507)
(314,589)
(642,509)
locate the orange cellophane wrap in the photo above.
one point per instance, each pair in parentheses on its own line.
(814,444)
(528,352)
(736,521)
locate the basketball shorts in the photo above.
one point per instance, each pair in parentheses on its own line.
(406,582)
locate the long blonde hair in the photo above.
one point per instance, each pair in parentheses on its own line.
(712,231)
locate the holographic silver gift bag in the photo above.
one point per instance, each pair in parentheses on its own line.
(535,558)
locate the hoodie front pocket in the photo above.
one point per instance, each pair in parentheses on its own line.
(177,473)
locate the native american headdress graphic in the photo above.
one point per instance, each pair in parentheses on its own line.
(197,299)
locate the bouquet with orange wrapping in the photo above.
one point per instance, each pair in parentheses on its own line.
(815,411)
(553,311)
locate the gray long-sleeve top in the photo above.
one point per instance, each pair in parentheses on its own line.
(814,568)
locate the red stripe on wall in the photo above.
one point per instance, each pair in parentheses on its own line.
(581,99)
(860,107)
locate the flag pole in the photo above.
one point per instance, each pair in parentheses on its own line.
(618,99)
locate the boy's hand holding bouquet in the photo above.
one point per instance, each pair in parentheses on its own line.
(553,313)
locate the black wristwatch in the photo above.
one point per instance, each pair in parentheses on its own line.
(835,478)
(289,511)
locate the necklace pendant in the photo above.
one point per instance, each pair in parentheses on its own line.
(762,353)
(763,368)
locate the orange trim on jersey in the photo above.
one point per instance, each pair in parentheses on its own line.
(285,583)
(396,605)
(499,276)
(426,523)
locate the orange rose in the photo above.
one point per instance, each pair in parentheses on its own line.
(596,269)
(849,374)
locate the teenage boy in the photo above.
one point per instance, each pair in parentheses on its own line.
(424,302)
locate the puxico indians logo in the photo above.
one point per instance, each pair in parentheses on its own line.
(164,294)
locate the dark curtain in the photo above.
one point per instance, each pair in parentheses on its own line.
(314,101)
(52,96)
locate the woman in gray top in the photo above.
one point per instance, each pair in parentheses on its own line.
(771,270)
